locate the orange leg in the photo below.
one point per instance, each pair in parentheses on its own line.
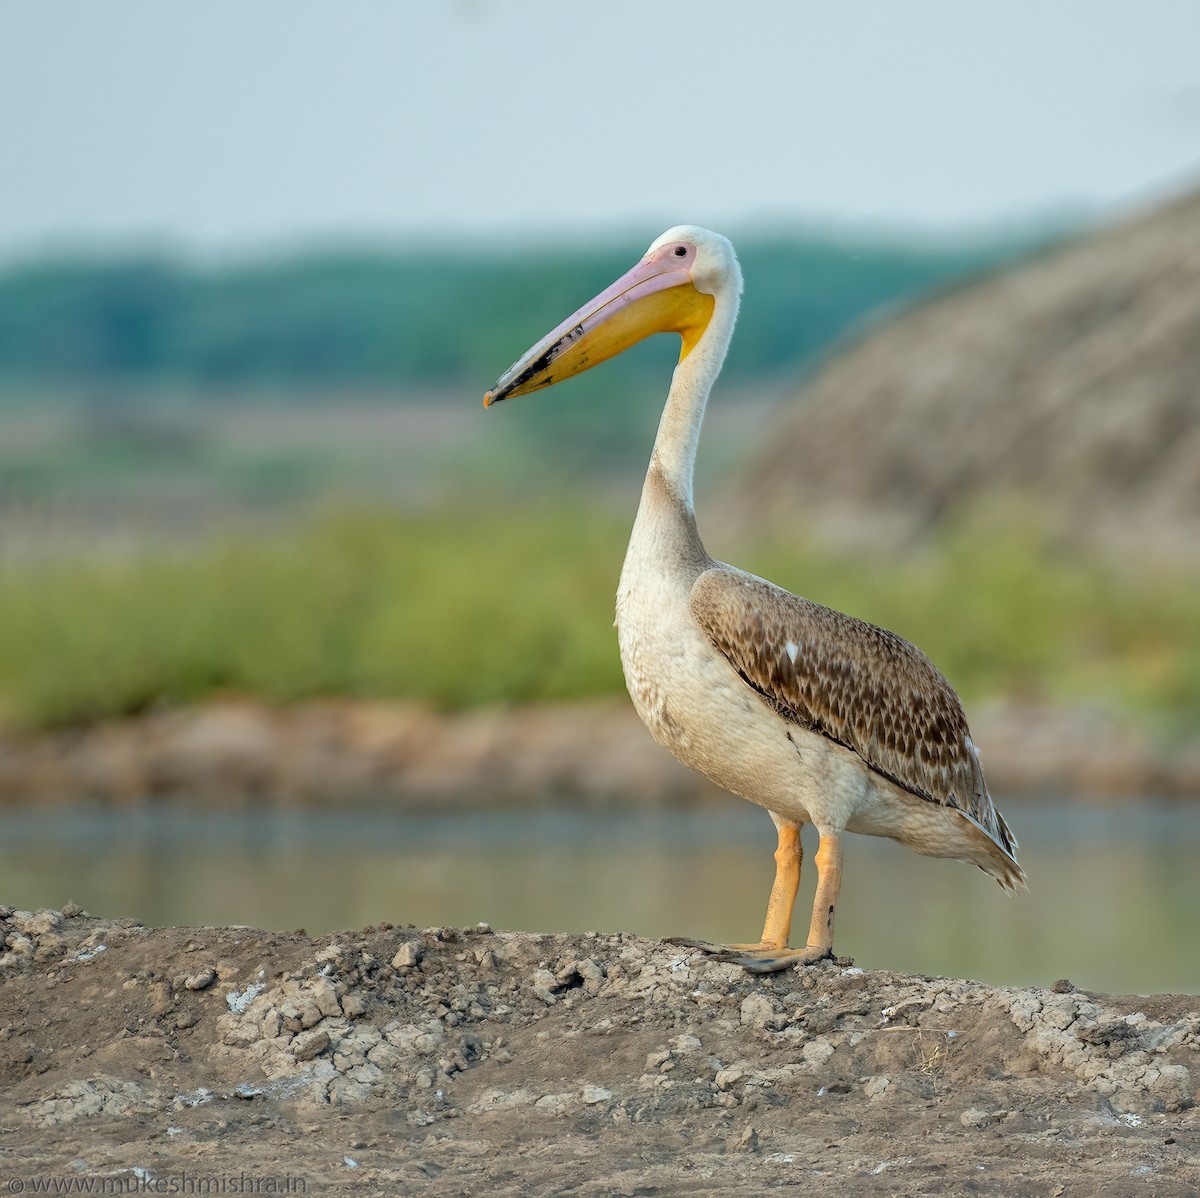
(789,854)
(829,885)
(771,953)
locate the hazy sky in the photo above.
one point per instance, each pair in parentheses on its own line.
(230,123)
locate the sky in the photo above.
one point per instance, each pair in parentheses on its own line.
(228,126)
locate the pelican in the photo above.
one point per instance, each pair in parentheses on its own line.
(814,715)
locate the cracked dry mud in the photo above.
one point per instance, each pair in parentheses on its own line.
(446,1061)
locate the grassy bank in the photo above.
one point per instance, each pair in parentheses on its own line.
(504,607)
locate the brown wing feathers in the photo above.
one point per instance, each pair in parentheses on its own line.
(859,685)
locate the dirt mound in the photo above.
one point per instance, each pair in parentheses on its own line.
(451,1062)
(1071,382)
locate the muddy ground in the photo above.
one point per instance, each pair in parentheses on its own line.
(446,1062)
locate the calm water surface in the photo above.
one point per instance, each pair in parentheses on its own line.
(1114,900)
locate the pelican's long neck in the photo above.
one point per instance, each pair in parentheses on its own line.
(674,456)
(665,538)
(678,436)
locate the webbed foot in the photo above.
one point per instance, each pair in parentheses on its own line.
(757,958)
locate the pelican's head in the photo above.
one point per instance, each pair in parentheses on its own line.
(675,288)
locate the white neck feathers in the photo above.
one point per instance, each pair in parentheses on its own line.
(679,429)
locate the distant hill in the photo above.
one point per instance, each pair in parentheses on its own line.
(1068,385)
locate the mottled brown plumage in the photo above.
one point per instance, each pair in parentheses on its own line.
(861,686)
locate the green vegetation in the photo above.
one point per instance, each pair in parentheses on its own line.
(452,612)
(517,607)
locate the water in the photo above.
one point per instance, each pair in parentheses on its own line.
(1114,902)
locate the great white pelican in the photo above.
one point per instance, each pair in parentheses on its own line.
(814,715)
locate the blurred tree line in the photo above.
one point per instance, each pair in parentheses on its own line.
(392,320)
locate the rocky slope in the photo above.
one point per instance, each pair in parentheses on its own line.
(1070,384)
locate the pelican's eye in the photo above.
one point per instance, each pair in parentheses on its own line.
(681,251)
